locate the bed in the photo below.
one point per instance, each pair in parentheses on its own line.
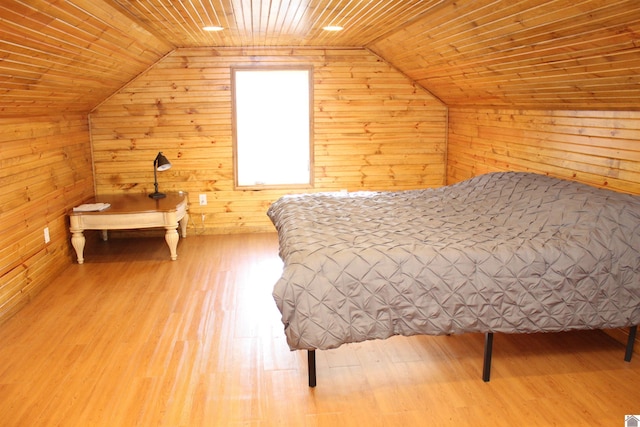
(505,252)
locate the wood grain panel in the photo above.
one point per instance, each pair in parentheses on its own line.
(46,169)
(68,56)
(599,148)
(583,54)
(374,130)
(532,54)
(274,22)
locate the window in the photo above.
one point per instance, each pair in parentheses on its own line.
(272,126)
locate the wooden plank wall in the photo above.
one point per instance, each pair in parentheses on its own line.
(45,170)
(599,148)
(374,130)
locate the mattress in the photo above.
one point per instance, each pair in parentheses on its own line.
(502,252)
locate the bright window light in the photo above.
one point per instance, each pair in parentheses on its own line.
(272,112)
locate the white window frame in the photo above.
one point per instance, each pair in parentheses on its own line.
(262,148)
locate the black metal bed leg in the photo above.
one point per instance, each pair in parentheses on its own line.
(488,350)
(630,342)
(311,362)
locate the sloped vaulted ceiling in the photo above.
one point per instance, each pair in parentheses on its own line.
(69,55)
(66,56)
(540,54)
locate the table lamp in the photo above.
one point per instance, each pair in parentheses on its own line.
(160,163)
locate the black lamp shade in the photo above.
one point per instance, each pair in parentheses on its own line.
(160,163)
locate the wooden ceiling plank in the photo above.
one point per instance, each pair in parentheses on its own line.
(388,16)
(100,22)
(613,50)
(142,24)
(593,42)
(488,51)
(598,65)
(302,30)
(320,17)
(614,21)
(37,41)
(172,20)
(546,37)
(211,15)
(288,23)
(448,20)
(23,60)
(61,51)
(492,17)
(198,16)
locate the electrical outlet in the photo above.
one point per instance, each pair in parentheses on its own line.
(47,238)
(203,199)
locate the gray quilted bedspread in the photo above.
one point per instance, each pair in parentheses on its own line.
(503,252)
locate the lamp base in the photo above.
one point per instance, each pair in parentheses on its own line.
(157,195)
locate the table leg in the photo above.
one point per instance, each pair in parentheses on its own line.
(183,225)
(171,237)
(78,241)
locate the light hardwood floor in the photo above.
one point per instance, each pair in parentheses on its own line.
(131,338)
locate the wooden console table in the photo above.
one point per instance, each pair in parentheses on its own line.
(133,212)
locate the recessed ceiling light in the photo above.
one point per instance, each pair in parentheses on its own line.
(212,28)
(332,28)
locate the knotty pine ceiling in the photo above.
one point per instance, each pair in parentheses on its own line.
(66,56)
